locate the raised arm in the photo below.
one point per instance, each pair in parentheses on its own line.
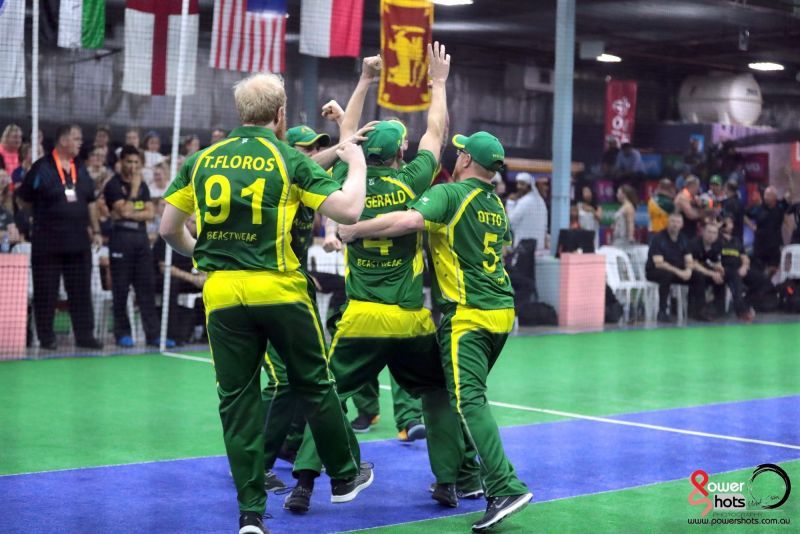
(390,225)
(437,113)
(345,206)
(370,72)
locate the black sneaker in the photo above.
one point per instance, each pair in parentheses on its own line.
(251,523)
(413,431)
(347,490)
(498,508)
(473,495)
(445,494)
(663,317)
(299,500)
(272,482)
(363,422)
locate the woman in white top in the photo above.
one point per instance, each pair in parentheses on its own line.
(589,213)
(624,217)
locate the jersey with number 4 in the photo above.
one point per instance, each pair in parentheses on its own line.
(467,228)
(246,191)
(389,270)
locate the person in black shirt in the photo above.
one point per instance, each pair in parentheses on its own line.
(736,266)
(128,199)
(732,205)
(669,261)
(61,194)
(707,270)
(766,218)
(794,212)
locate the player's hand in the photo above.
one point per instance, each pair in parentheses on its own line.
(361,135)
(439,63)
(685,274)
(371,68)
(331,243)
(347,232)
(717,278)
(332,111)
(743,271)
(97,241)
(350,153)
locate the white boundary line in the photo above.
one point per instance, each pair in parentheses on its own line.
(572,415)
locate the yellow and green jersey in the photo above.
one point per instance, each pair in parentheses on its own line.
(246,191)
(467,228)
(388,271)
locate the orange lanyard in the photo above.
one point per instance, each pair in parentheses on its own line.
(73,174)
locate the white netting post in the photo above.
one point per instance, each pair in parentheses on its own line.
(173,167)
(35,84)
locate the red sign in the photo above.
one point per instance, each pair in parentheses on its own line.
(756,165)
(620,109)
(796,156)
(405,34)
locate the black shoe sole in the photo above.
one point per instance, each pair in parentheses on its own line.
(505,514)
(339,499)
(444,501)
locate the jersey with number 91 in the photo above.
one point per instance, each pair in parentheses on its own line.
(245,192)
(468,226)
(389,270)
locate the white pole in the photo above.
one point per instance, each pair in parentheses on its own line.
(35,84)
(173,167)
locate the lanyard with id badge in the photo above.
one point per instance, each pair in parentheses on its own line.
(69,189)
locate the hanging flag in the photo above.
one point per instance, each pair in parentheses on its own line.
(331,28)
(152,46)
(405,34)
(12,43)
(82,24)
(249,35)
(620,109)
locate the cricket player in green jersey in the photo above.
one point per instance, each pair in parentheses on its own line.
(384,322)
(467,228)
(245,191)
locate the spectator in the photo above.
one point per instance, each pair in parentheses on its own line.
(61,193)
(102,144)
(766,219)
(732,205)
(160,180)
(716,191)
(694,158)
(10,142)
(707,271)
(660,205)
(217,135)
(9,235)
(527,212)
(589,213)
(624,225)
(152,149)
(736,266)
(669,261)
(629,166)
(6,187)
(609,159)
(688,206)
(24,164)
(683,176)
(132,138)
(185,279)
(97,169)
(128,199)
(189,145)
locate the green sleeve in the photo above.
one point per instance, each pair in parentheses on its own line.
(437,206)
(312,182)
(339,171)
(418,174)
(180,192)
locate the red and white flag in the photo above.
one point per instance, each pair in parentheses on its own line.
(249,35)
(331,28)
(152,43)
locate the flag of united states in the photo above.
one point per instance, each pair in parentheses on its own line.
(249,35)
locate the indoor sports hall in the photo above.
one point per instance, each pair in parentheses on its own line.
(646,216)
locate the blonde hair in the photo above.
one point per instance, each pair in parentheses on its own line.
(259,97)
(11,128)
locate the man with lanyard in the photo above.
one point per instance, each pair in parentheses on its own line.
(64,217)
(245,191)
(128,199)
(476,298)
(384,322)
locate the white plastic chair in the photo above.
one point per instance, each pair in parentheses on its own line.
(638,255)
(790,263)
(621,279)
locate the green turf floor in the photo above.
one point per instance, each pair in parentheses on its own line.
(66,413)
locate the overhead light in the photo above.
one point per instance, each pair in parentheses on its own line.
(765,65)
(609,58)
(452,2)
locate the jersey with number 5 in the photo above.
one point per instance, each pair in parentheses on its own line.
(389,270)
(245,191)
(467,228)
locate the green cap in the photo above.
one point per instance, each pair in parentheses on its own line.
(305,136)
(716,179)
(484,148)
(383,141)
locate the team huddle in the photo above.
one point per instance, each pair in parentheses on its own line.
(254,196)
